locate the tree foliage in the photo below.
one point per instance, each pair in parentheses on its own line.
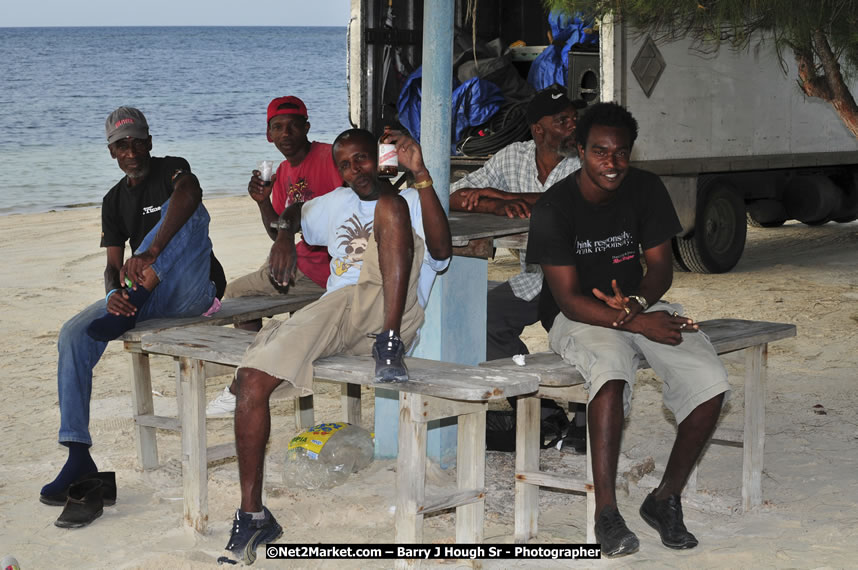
(821,35)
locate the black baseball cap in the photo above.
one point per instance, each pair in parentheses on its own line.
(550,101)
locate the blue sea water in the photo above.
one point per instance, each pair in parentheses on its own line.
(204,91)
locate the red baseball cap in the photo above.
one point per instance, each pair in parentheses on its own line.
(290,105)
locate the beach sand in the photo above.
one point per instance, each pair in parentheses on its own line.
(52,268)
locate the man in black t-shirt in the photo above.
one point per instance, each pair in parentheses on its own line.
(603,314)
(157,208)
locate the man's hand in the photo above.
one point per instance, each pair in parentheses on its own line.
(471,196)
(408,151)
(134,267)
(283,259)
(662,327)
(512,208)
(628,310)
(258,190)
(118,304)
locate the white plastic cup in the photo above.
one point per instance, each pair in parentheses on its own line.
(266,170)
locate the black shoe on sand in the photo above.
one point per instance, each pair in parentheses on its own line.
(107,478)
(84,505)
(666,517)
(613,534)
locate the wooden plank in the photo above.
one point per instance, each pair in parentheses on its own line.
(465,226)
(526,460)
(516,241)
(429,377)
(158,422)
(439,408)
(141,402)
(304,415)
(232,311)
(194,448)
(433,504)
(755,426)
(553,480)
(410,472)
(220,451)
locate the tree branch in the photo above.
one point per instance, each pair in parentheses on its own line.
(809,81)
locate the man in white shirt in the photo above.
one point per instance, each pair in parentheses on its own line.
(508,185)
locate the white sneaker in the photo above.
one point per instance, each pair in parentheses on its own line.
(222,406)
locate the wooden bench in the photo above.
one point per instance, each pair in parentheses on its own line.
(560,381)
(233,311)
(436,390)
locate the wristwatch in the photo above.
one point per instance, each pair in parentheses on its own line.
(281,224)
(641,301)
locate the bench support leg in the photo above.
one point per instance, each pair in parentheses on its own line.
(350,400)
(194,447)
(141,399)
(591,490)
(756,358)
(526,461)
(410,475)
(471,474)
(304,412)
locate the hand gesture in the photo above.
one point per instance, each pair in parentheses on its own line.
(661,326)
(471,196)
(260,191)
(283,260)
(134,267)
(512,209)
(619,302)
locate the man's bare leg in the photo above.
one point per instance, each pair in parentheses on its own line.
(662,509)
(392,229)
(605,422)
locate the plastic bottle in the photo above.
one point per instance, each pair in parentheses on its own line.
(325,455)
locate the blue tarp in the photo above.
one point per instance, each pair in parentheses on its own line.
(552,65)
(473,103)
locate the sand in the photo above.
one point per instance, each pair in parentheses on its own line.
(52,267)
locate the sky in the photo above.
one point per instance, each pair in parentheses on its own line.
(27,13)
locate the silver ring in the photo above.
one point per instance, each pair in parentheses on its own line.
(682,326)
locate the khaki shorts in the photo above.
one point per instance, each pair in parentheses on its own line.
(258,283)
(691,371)
(337,323)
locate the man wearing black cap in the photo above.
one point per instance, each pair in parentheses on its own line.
(508,185)
(157,208)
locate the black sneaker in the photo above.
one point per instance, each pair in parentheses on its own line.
(666,517)
(613,534)
(389,352)
(247,534)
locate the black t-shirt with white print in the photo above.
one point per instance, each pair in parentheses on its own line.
(603,241)
(129,213)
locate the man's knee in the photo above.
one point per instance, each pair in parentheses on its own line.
(253,386)
(391,209)
(610,392)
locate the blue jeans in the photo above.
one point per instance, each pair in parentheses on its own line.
(185,290)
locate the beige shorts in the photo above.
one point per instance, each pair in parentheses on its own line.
(691,371)
(258,283)
(337,323)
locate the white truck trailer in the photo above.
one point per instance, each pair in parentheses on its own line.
(730,133)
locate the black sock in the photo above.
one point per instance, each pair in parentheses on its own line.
(111,326)
(78,464)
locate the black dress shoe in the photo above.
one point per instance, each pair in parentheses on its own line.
(613,534)
(666,517)
(84,505)
(108,479)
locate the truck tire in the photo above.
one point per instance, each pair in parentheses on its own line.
(848,210)
(720,230)
(766,213)
(678,265)
(812,199)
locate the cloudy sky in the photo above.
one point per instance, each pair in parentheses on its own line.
(17,13)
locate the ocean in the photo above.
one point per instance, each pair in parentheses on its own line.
(204,91)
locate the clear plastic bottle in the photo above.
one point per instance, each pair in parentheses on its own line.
(325,455)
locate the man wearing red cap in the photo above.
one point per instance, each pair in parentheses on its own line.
(307,172)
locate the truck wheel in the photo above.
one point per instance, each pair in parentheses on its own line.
(848,210)
(678,265)
(719,235)
(766,213)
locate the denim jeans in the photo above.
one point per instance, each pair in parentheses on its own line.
(185,289)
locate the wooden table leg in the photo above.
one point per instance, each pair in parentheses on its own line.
(304,412)
(526,460)
(194,446)
(591,490)
(410,475)
(471,474)
(141,400)
(350,400)
(756,360)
